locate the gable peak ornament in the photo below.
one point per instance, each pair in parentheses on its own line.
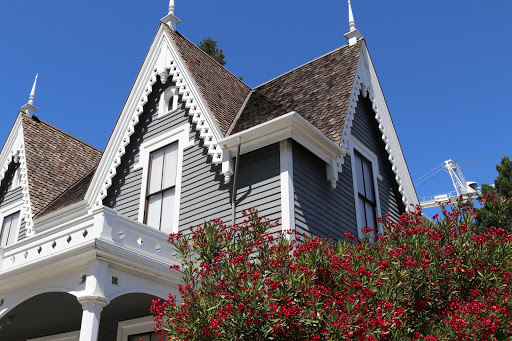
(170,19)
(29,108)
(353,35)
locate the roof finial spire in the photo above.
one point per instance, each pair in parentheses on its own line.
(171,7)
(29,108)
(353,35)
(170,19)
(33,92)
(351,21)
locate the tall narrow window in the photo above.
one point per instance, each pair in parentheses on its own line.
(366,194)
(161,188)
(8,232)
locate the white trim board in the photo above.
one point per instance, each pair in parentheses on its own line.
(287,191)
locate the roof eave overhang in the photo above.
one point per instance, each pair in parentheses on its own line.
(291,125)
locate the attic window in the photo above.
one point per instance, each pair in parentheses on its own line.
(168,101)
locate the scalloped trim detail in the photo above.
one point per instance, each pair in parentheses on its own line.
(26,210)
(205,131)
(360,87)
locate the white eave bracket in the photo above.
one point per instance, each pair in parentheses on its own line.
(291,125)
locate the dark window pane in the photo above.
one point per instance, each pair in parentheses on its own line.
(368,180)
(359,173)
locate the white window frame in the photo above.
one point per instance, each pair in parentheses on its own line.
(71,336)
(163,104)
(356,145)
(180,135)
(7,211)
(135,326)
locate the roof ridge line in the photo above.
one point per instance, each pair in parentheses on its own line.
(300,66)
(239,113)
(68,134)
(222,66)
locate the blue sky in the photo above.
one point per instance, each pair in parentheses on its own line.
(444,66)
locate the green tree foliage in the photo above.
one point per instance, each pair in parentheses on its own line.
(209,46)
(489,214)
(421,280)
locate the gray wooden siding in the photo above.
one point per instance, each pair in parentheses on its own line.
(204,195)
(259,184)
(365,129)
(10,196)
(319,209)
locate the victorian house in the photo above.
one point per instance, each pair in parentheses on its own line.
(84,232)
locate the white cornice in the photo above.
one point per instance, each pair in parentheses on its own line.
(162,59)
(366,83)
(291,125)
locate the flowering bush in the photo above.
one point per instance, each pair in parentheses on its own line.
(421,280)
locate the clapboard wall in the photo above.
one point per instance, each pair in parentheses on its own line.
(204,195)
(365,129)
(319,209)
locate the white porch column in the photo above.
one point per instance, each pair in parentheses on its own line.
(92,306)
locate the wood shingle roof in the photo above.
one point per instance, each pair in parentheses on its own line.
(319,91)
(55,161)
(223,92)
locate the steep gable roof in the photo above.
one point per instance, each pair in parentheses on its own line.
(319,91)
(223,92)
(72,195)
(55,161)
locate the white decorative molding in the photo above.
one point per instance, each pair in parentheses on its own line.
(291,125)
(14,151)
(26,210)
(367,84)
(163,58)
